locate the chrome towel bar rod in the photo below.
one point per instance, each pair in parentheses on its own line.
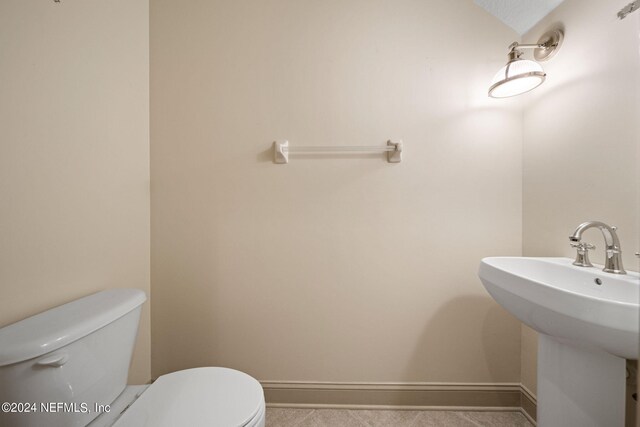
(281,150)
(330,149)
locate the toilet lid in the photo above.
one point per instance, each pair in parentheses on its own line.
(197,397)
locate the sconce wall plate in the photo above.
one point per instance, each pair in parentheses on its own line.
(552,40)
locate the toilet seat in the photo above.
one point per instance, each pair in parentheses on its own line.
(198,397)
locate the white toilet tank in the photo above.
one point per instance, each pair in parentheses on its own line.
(58,366)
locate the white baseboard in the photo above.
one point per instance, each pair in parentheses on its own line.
(395,407)
(529,404)
(402,396)
(465,396)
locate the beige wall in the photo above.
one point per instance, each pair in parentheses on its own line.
(74,155)
(582,140)
(338,268)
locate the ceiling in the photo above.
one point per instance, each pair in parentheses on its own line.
(521,15)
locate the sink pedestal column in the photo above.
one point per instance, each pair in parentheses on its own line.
(579,387)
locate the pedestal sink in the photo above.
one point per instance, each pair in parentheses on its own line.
(589,323)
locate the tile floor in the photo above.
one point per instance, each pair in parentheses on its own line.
(285,417)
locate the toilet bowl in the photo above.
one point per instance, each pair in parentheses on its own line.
(68,367)
(200,396)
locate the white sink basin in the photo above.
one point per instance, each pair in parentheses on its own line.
(589,323)
(559,299)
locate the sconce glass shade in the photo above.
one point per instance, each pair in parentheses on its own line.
(517,77)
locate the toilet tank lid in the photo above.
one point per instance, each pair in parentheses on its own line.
(62,325)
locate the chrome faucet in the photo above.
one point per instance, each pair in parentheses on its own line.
(613,259)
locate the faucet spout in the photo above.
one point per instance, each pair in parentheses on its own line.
(613,260)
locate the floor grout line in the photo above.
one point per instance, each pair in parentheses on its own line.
(354,415)
(304,418)
(462,415)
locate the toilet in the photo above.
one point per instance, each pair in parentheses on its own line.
(68,367)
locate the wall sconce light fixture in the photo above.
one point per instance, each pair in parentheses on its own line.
(522,75)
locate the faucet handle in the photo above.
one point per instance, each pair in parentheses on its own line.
(582,246)
(582,257)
